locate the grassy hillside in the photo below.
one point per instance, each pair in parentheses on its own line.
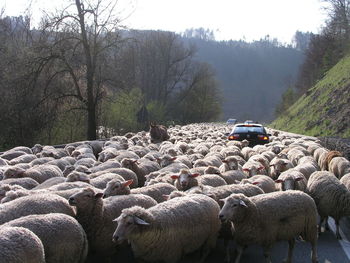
(325,109)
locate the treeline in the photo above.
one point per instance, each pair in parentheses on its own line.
(323,51)
(79,75)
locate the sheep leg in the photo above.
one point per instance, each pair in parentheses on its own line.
(228,251)
(320,224)
(239,250)
(337,234)
(326,226)
(291,243)
(314,252)
(267,254)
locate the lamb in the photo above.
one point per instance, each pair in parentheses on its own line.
(39,173)
(34,204)
(158,133)
(267,218)
(170,230)
(332,198)
(278,166)
(96,214)
(156,191)
(339,166)
(292,180)
(140,167)
(263,181)
(63,238)
(19,245)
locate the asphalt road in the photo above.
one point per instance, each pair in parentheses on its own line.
(330,250)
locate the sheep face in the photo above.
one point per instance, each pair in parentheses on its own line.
(289,183)
(166,160)
(184,179)
(233,209)
(278,167)
(116,187)
(13,172)
(232,163)
(127,226)
(68,170)
(84,198)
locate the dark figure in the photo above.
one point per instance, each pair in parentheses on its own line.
(158,133)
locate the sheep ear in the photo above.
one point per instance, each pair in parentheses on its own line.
(255,183)
(175,177)
(173,159)
(194,175)
(245,170)
(242,203)
(279,181)
(298,179)
(127,183)
(260,168)
(98,195)
(224,161)
(166,197)
(139,221)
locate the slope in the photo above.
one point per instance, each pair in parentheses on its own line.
(325,109)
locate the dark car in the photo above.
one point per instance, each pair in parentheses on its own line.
(254,133)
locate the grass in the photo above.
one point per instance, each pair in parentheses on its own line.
(310,115)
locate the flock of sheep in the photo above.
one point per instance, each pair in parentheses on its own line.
(167,194)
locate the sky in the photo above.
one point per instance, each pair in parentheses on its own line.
(229,19)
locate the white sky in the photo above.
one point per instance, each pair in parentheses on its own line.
(230,19)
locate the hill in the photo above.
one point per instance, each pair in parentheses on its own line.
(252,76)
(325,108)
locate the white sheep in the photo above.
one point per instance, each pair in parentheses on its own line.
(96,214)
(279,165)
(263,181)
(25,182)
(34,204)
(141,167)
(332,198)
(339,166)
(156,191)
(170,230)
(126,173)
(252,168)
(345,180)
(18,245)
(63,238)
(292,180)
(230,163)
(267,218)
(39,173)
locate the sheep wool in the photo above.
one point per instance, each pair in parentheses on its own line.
(169,230)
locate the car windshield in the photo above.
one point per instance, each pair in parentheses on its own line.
(245,129)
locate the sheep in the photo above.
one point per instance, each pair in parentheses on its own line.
(158,133)
(4,188)
(20,245)
(267,218)
(263,181)
(292,180)
(50,182)
(339,166)
(3,162)
(212,160)
(156,191)
(159,177)
(104,166)
(11,154)
(26,182)
(63,238)
(25,158)
(332,198)
(230,163)
(330,155)
(34,204)
(126,173)
(96,214)
(252,168)
(107,154)
(295,154)
(39,173)
(345,180)
(140,167)
(170,230)
(167,160)
(41,160)
(278,166)
(185,180)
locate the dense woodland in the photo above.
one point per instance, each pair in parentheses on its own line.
(81,75)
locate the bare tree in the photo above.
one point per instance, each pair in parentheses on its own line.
(79,39)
